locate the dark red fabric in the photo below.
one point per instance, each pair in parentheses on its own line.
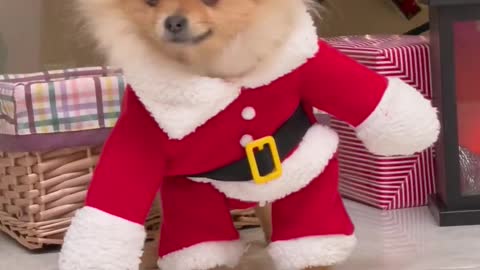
(138,154)
(219,139)
(316,210)
(196,213)
(329,81)
(340,86)
(193,213)
(132,165)
(235,204)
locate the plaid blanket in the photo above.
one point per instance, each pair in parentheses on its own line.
(60,101)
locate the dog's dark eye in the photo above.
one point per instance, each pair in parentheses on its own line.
(210,3)
(152,3)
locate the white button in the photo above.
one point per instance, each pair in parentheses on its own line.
(248,113)
(246,139)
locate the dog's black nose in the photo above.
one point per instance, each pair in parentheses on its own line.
(176,24)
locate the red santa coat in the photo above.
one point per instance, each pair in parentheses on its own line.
(141,153)
(175,124)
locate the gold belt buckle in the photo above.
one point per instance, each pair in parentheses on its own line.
(277,164)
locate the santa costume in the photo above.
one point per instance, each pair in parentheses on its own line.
(186,135)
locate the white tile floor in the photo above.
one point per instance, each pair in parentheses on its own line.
(396,240)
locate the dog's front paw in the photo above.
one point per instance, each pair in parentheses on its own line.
(99,241)
(404,122)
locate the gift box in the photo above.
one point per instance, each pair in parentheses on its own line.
(75,107)
(386,182)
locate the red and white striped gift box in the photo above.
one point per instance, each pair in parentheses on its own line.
(386,182)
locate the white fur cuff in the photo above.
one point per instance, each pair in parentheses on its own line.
(204,256)
(310,252)
(404,122)
(100,241)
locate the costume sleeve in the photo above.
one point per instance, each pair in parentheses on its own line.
(108,233)
(389,116)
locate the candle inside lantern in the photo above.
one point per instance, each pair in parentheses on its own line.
(467,61)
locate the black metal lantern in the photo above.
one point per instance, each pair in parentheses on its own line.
(455,40)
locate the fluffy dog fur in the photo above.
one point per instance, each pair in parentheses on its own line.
(243,32)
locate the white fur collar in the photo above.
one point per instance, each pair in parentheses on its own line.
(181,102)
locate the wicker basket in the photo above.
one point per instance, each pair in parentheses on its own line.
(39,193)
(41,188)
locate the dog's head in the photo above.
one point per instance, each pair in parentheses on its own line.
(214,37)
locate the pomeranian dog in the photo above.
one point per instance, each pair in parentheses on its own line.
(218,113)
(224,39)
(216,38)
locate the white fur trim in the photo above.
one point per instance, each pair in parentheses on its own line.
(307,162)
(299,47)
(405,122)
(178,100)
(98,240)
(204,256)
(182,104)
(249,113)
(310,252)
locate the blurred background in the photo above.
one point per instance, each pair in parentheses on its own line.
(38,35)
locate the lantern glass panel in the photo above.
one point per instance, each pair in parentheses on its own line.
(466,36)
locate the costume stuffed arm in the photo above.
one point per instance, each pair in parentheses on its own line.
(389,116)
(108,233)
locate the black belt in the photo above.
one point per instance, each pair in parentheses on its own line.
(287,138)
